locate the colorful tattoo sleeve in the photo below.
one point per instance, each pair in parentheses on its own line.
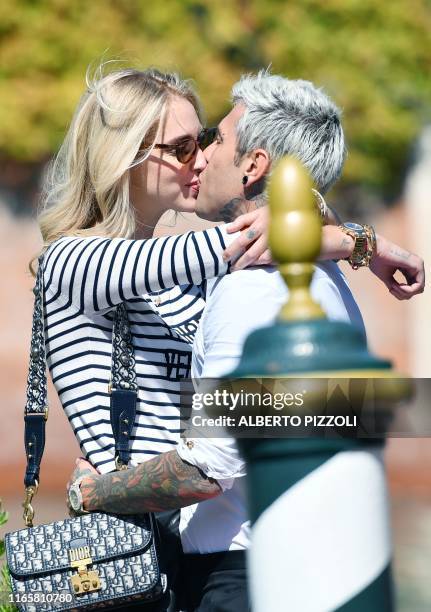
(163,483)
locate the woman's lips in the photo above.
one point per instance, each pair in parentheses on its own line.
(194,187)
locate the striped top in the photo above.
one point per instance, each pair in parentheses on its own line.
(84,279)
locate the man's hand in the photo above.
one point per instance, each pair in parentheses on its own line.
(390,258)
(82,468)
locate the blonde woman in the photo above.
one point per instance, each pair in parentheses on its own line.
(132,152)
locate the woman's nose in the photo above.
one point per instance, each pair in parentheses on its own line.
(208,151)
(200,161)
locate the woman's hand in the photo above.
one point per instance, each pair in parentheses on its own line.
(251,247)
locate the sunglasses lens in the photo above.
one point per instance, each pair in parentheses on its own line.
(206,137)
(186,150)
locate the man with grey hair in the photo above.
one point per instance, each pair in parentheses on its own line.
(271,117)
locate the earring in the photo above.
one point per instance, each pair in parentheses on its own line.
(244,180)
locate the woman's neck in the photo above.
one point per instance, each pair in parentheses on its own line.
(147,214)
(144,230)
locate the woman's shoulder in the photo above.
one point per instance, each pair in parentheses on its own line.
(66,241)
(73,239)
(67,249)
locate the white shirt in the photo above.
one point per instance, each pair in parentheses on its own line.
(236,305)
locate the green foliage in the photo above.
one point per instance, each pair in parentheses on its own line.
(5,585)
(3,520)
(372,57)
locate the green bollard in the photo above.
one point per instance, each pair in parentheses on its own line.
(319,507)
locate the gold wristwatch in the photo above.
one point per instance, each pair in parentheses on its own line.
(365,243)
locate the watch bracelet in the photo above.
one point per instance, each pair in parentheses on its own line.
(371,236)
(370,239)
(77,484)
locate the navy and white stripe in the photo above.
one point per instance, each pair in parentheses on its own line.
(85,278)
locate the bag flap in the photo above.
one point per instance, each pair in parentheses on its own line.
(45,548)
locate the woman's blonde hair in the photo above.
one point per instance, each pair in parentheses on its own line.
(86,189)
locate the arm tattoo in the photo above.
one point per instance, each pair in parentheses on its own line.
(401,254)
(163,483)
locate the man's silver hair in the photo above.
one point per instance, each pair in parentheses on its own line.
(291,117)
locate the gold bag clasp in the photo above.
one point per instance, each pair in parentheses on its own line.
(85,581)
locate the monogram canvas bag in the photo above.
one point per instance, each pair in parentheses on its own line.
(96,561)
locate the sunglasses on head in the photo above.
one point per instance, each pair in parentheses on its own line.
(185,150)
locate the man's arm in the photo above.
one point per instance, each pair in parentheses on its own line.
(163,483)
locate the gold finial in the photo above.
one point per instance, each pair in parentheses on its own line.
(295,236)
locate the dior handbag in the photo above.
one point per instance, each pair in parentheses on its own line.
(95,561)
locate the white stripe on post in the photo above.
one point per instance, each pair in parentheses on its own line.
(323,540)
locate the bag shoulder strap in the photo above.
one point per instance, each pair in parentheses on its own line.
(123,390)
(36,408)
(123,387)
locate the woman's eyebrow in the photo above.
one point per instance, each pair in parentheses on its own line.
(183,137)
(180,138)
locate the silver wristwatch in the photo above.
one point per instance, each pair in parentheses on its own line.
(75,496)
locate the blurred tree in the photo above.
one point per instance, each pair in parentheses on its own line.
(373,58)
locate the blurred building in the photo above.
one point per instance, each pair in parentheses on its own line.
(397,330)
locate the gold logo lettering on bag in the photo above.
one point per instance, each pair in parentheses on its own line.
(85,581)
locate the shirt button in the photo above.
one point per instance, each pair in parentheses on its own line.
(190,444)
(157,301)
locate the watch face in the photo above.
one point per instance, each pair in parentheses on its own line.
(353,226)
(75,502)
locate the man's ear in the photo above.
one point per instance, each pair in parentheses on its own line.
(257,165)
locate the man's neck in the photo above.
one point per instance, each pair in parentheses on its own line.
(241,205)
